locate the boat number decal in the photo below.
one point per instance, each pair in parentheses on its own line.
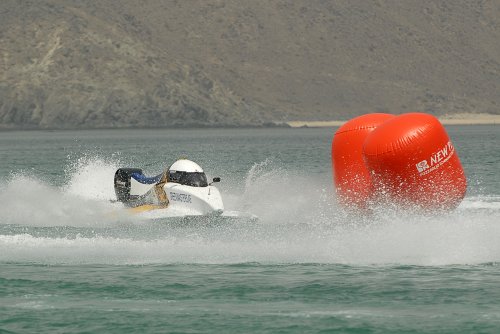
(180,197)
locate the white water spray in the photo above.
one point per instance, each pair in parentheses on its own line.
(299,222)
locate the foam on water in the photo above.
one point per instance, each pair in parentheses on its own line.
(299,222)
(82,201)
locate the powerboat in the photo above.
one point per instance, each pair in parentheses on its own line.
(181,190)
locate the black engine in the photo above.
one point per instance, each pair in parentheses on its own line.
(122,183)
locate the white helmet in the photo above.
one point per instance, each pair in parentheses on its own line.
(185,165)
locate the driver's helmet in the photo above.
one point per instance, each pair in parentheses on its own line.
(187,172)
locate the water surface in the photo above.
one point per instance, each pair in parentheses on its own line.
(70,263)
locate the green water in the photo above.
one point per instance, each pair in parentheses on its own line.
(304,266)
(250,298)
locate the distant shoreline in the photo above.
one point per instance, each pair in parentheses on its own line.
(458,119)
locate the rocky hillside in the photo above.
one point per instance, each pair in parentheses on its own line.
(155,63)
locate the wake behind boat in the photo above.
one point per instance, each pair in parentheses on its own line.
(181,190)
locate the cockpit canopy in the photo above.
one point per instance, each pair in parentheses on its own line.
(188,173)
(194,179)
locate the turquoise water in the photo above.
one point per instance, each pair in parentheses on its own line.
(69,263)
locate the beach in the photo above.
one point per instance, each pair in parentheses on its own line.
(455,119)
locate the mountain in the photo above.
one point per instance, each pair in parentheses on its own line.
(154,63)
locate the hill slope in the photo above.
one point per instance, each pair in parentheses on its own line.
(85,64)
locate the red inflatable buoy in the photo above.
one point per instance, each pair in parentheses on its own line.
(412,161)
(351,177)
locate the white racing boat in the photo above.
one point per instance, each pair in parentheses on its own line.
(181,190)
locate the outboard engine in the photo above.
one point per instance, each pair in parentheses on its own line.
(122,183)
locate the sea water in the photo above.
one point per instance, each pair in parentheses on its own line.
(72,261)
